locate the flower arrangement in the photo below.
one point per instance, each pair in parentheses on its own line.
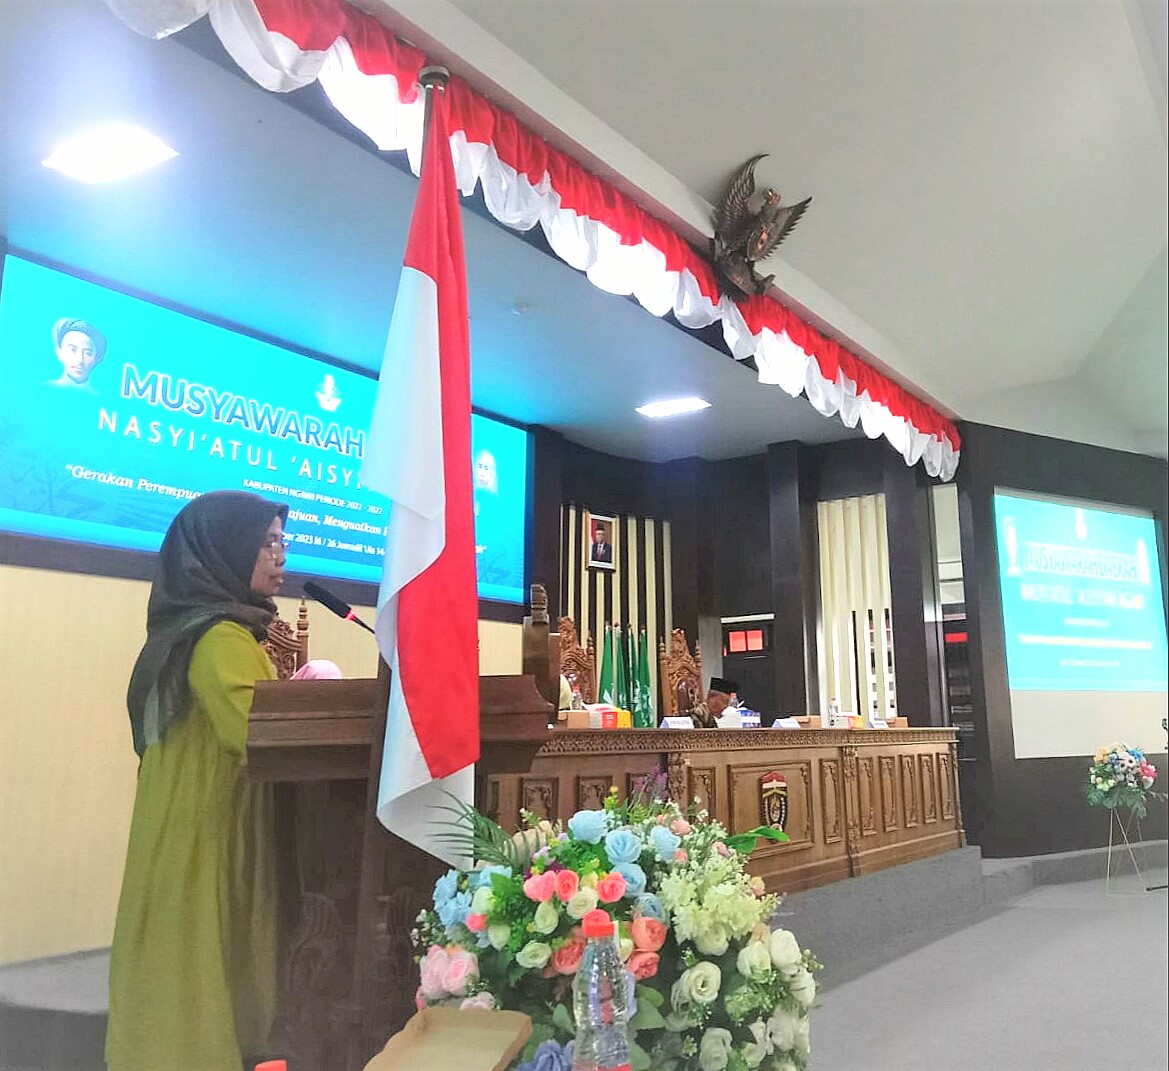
(713,986)
(1121,776)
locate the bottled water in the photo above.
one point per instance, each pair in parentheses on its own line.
(600,1000)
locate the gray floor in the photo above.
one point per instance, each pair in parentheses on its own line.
(1063,978)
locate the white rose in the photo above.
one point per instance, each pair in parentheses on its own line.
(582,903)
(802,987)
(625,947)
(754,961)
(781,1029)
(715,1051)
(759,1049)
(782,1063)
(700,984)
(547,918)
(499,935)
(801,1040)
(785,952)
(712,941)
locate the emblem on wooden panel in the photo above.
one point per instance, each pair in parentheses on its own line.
(591,792)
(929,789)
(946,786)
(540,797)
(889,792)
(909,790)
(773,799)
(830,791)
(702,785)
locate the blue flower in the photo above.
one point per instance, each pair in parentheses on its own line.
(650,906)
(665,843)
(622,846)
(446,887)
(478,878)
(588,826)
(550,1056)
(634,878)
(454,911)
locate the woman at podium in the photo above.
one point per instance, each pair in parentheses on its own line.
(193,967)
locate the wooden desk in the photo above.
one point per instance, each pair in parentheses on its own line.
(858,800)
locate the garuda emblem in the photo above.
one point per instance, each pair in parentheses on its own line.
(748,228)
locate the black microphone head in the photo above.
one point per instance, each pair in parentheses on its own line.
(327,599)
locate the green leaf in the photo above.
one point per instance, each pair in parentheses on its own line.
(647,1018)
(746,843)
(638,1058)
(562,1019)
(648,995)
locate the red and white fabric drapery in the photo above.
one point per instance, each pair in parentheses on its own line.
(371,79)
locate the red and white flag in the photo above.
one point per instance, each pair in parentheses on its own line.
(419,456)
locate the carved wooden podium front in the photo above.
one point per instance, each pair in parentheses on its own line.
(351,890)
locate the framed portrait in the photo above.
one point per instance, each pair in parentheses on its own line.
(600,548)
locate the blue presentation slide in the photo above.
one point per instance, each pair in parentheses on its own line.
(1081,589)
(114,412)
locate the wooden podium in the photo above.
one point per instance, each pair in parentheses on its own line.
(350,890)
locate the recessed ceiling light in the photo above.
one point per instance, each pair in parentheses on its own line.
(108,152)
(673,407)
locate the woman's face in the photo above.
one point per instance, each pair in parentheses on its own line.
(268,574)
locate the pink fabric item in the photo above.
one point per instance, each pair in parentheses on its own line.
(318,669)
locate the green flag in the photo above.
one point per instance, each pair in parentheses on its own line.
(622,668)
(607,682)
(643,706)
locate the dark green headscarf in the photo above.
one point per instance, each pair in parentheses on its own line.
(204,576)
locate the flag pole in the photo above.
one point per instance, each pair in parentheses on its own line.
(376,839)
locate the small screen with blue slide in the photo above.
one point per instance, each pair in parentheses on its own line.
(115,411)
(1081,591)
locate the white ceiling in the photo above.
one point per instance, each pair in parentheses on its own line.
(989,219)
(989,176)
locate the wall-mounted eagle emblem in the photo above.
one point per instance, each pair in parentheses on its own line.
(747,229)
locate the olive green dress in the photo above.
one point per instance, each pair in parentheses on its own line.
(193,968)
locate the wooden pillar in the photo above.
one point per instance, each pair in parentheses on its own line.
(545,495)
(794,578)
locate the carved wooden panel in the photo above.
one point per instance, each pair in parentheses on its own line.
(702,782)
(541,796)
(909,790)
(867,794)
(946,785)
(747,805)
(929,789)
(491,804)
(833,805)
(591,792)
(889,793)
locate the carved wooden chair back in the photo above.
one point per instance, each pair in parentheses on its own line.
(578,664)
(681,673)
(288,648)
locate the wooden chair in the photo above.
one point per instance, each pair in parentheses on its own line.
(681,674)
(288,649)
(578,664)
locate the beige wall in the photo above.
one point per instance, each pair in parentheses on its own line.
(67,645)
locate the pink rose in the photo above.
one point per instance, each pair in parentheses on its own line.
(540,887)
(722,849)
(680,856)
(476,923)
(680,826)
(661,819)
(462,969)
(648,934)
(433,970)
(566,959)
(611,888)
(643,965)
(480,1001)
(567,885)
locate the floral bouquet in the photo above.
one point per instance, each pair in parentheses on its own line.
(712,984)
(1121,776)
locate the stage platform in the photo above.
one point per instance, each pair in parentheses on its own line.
(52,1012)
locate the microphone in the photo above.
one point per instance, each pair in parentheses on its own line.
(331,602)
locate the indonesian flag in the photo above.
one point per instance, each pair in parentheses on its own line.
(419,456)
